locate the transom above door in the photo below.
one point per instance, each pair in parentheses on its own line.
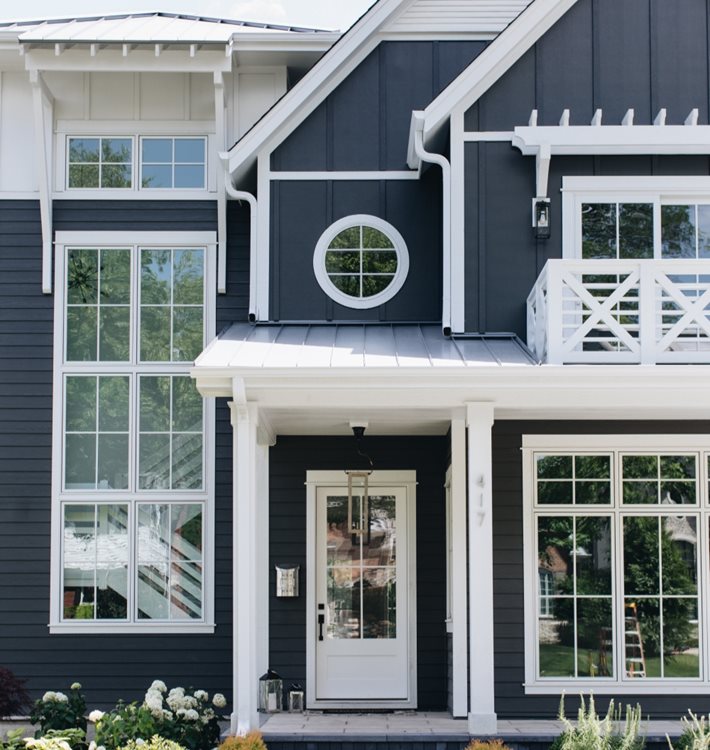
(361,590)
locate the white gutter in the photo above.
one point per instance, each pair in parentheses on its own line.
(241,195)
(443,162)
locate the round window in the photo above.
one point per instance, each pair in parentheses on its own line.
(361,261)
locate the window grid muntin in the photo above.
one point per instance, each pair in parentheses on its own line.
(617,511)
(173,162)
(100,163)
(659,479)
(133,496)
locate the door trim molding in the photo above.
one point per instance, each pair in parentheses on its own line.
(408,480)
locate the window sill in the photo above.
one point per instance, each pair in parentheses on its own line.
(158,628)
(611,687)
(118,194)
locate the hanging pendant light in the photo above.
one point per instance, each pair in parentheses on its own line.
(363,476)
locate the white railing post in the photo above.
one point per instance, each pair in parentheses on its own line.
(553,322)
(647,312)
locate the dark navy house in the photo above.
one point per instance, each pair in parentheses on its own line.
(404,396)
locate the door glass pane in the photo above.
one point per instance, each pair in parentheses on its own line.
(379,603)
(599,230)
(361,597)
(678,231)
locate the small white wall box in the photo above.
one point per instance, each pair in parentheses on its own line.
(287,581)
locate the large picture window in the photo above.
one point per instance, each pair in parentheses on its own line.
(615,578)
(133,492)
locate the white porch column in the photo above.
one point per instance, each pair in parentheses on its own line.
(250,559)
(482,716)
(457,526)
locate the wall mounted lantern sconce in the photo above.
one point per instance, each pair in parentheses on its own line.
(541,218)
(287,576)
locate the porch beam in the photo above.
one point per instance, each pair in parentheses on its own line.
(482,716)
(250,546)
(459,616)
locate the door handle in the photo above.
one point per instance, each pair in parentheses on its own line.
(321,622)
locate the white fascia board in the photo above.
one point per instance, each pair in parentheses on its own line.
(136,61)
(82,237)
(294,42)
(613,139)
(494,61)
(290,111)
(689,185)
(546,392)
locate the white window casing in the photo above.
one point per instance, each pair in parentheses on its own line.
(617,511)
(361,222)
(134,498)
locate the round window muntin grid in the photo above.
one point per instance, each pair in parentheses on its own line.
(398,246)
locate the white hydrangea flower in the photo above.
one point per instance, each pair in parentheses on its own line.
(139,741)
(191,715)
(219,700)
(159,685)
(95,717)
(168,715)
(177,692)
(202,695)
(50,696)
(189,702)
(181,712)
(61,698)
(76,686)
(176,702)
(92,745)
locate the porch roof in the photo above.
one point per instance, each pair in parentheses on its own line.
(245,346)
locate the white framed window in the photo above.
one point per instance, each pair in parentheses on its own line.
(136,163)
(361,261)
(616,562)
(133,453)
(179,163)
(99,162)
(634,218)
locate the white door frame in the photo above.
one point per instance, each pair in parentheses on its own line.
(408,480)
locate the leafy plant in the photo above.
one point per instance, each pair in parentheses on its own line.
(13,696)
(13,741)
(250,741)
(154,743)
(125,723)
(695,736)
(486,745)
(60,711)
(58,739)
(595,732)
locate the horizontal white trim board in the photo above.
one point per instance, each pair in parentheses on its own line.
(322,176)
(99,239)
(492,136)
(159,628)
(128,194)
(615,442)
(637,184)
(131,127)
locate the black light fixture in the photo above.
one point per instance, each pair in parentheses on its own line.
(358,486)
(541,218)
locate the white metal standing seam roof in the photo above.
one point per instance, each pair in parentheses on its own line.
(142,27)
(246,346)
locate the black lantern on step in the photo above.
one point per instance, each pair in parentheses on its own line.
(271,688)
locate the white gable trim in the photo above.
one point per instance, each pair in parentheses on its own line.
(494,61)
(336,65)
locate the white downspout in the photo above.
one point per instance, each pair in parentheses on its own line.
(241,195)
(443,162)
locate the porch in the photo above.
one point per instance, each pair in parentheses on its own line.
(408,730)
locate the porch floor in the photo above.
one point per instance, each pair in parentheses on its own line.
(402,725)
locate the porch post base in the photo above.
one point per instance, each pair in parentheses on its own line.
(482,724)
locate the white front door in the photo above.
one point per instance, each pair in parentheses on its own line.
(363,594)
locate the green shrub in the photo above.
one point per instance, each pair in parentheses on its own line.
(250,741)
(595,732)
(154,743)
(60,711)
(124,724)
(695,736)
(58,739)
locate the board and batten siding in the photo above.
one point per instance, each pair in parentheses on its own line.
(289,460)
(108,666)
(601,54)
(471,16)
(510,699)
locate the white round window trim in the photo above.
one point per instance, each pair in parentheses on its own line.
(358,220)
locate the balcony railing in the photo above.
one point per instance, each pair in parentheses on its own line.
(621,311)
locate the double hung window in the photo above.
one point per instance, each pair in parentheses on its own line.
(616,555)
(133,475)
